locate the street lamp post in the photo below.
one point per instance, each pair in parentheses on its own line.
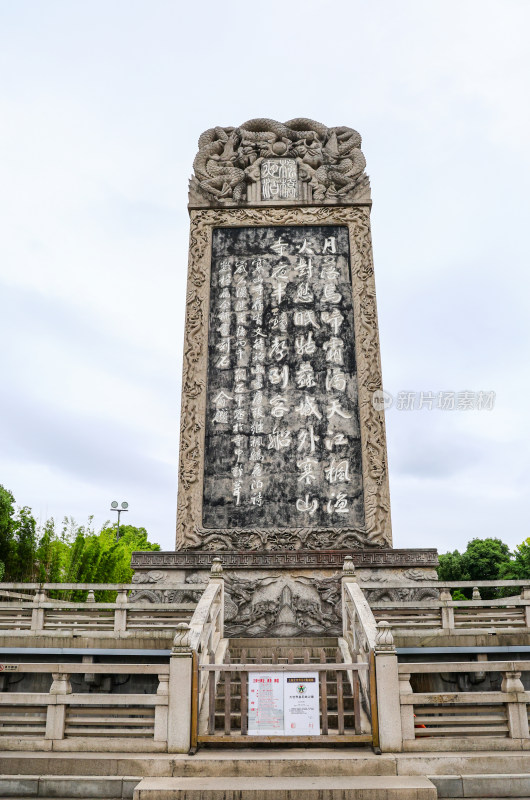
(114,507)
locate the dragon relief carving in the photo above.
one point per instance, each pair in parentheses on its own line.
(329,160)
(376,531)
(283,605)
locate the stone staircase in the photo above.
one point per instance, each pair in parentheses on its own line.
(266,774)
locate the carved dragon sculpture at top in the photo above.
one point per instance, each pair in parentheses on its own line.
(329,159)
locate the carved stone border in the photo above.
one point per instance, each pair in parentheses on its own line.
(374,558)
(377,529)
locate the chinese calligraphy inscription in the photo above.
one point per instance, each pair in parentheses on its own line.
(279,179)
(282,444)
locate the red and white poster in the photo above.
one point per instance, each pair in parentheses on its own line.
(265,704)
(283,704)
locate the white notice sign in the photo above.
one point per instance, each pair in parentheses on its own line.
(300,704)
(283,704)
(265,704)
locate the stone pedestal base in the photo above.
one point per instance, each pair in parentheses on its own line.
(283,593)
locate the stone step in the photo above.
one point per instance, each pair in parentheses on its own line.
(483,786)
(237,658)
(207,762)
(68,786)
(272,761)
(361,787)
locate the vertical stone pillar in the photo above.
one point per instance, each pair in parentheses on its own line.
(525,595)
(37,613)
(161,711)
(56,714)
(448,612)
(179,698)
(217,576)
(516,711)
(348,576)
(407,711)
(120,614)
(387,682)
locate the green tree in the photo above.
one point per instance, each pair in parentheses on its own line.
(74,554)
(519,566)
(482,560)
(100,558)
(7,529)
(22,569)
(450,567)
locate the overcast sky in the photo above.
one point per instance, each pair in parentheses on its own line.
(101,105)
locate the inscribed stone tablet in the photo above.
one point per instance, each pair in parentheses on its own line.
(282,444)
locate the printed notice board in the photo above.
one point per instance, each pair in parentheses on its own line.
(265,704)
(300,704)
(283,704)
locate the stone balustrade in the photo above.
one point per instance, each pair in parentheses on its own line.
(452,720)
(412,712)
(373,642)
(26,610)
(510,614)
(163,719)
(61,719)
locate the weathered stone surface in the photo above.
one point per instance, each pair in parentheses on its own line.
(372,531)
(262,600)
(308,788)
(148,564)
(282,444)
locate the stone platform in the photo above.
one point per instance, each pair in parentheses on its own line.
(282,592)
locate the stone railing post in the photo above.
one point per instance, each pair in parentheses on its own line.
(217,576)
(179,687)
(56,712)
(448,612)
(37,613)
(407,711)
(161,711)
(348,576)
(387,683)
(120,614)
(516,711)
(525,595)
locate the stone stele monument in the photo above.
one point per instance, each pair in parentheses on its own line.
(283,466)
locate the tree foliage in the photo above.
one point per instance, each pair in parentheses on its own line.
(71,554)
(484,560)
